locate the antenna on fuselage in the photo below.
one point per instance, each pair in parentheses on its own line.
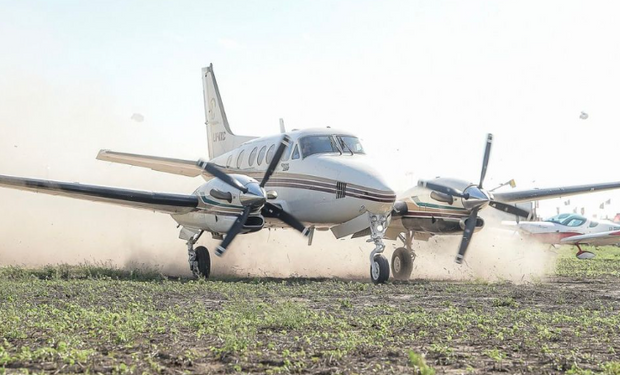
(282,129)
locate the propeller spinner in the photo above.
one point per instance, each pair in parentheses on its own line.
(474,199)
(252,197)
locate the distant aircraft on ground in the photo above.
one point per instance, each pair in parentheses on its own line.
(572,229)
(305,179)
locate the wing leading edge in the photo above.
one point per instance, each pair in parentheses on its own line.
(169,165)
(595,239)
(556,192)
(161,202)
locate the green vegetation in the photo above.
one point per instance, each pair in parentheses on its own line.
(100,319)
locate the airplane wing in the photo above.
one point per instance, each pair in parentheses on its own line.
(548,193)
(596,239)
(156,163)
(162,202)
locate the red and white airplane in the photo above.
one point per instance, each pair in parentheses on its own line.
(573,229)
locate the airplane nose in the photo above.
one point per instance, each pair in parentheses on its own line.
(358,180)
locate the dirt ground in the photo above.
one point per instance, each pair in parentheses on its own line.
(95,320)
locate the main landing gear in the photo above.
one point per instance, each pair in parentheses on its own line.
(379,267)
(403,257)
(198,258)
(584,254)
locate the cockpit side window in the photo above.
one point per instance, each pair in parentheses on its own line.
(593,224)
(295,153)
(287,152)
(317,144)
(350,144)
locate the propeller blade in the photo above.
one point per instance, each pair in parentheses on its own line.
(485,161)
(509,209)
(276,159)
(233,231)
(217,172)
(444,189)
(271,210)
(470,225)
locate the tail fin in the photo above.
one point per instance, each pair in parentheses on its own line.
(221,138)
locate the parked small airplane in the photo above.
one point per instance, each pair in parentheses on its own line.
(304,179)
(572,229)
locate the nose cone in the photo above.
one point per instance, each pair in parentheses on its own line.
(360,181)
(255,195)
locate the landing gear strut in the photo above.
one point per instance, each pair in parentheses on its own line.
(379,267)
(198,258)
(403,257)
(584,254)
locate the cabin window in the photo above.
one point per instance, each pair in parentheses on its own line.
(317,144)
(295,153)
(593,224)
(229,161)
(261,155)
(270,153)
(240,159)
(287,152)
(252,156)
(350,144)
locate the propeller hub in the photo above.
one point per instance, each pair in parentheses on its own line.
(478,198)
(255,196)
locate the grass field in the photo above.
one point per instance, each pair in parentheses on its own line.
(97,319)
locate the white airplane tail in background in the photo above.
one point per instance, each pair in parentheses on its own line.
(221,138)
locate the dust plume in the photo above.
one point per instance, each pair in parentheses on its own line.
(495,254)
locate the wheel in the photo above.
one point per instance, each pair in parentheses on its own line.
(379,269)
(402,264)
(204,261)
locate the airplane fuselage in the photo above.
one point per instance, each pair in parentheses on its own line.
(323,188)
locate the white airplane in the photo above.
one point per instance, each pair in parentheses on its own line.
(572,229)
(317,176)
(304,179)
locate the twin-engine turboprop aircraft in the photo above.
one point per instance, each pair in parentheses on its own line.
(304,179)
(319,177)
(572,229)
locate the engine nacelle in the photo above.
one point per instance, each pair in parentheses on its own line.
(479,223)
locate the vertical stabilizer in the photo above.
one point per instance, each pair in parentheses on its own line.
(221,139)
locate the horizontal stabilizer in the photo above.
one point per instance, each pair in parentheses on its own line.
(169,165)
(161,202)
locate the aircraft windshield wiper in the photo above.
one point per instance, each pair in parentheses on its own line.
(345,145)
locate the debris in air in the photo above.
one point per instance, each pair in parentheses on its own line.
(137,117)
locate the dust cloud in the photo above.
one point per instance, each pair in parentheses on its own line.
(495,254)
(55,132)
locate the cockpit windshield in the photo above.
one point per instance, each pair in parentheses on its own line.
(350,144)
(326,144)
(571,220)
(558,218)
(318,144)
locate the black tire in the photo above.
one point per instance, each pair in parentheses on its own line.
(382,271)
(204,261)
(402,264)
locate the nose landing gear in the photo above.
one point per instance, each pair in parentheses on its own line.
(379,266)
(403,257)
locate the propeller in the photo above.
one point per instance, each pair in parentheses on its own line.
(474,198)
(252,197)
